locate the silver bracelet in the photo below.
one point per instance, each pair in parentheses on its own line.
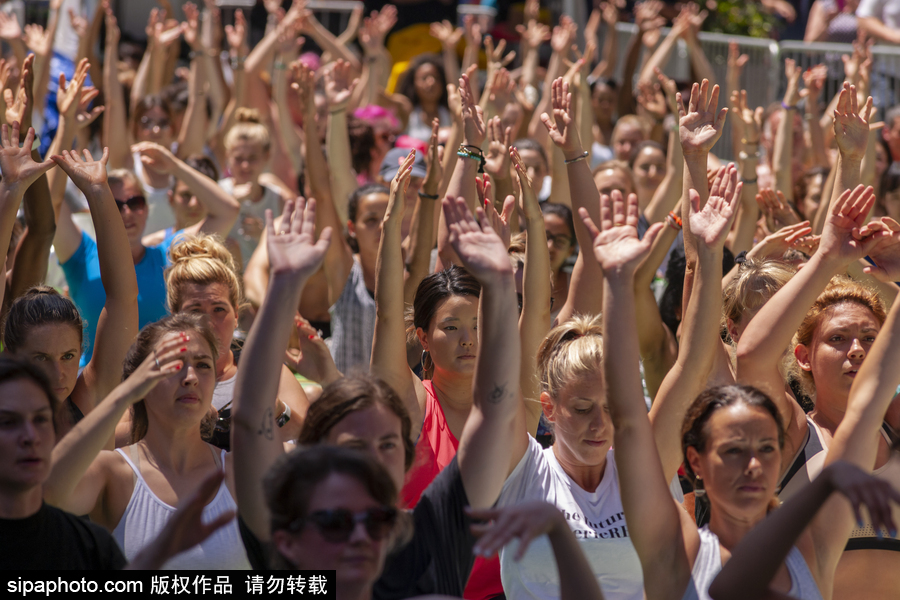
(583,156)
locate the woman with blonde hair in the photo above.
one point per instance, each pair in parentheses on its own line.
(248,150)
(203,279)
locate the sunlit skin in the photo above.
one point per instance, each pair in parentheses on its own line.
(377,431)
(625,138)
(799,143)
(536,168)
(179,402)
(366,228)
(452,337)
(187,208)
(842,340)
(26,442)
(649,171)
(213,301)
(740,466)
(582,428)
(56,349)
(608,180)
(358,561)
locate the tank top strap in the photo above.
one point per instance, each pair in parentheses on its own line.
(133,461)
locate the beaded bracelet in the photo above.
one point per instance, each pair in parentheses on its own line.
(789,107)
(428,196)
(472,152)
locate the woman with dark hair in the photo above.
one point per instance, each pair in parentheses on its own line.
(39,536)
(169,375)
(562,246)
(424,84)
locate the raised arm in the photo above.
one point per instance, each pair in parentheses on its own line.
(652,517)
(784,137)
(192,137)
(338,89)
(585,293)
(422,229)
(20,171)
(700,328)
(754,563)
(115,120)
(770,332)
(222,208)
(389,344)
(294,255)
(76,482)
(669,191)
(534,322)
(448,35)
(493,439)
(118,323)
(751,125)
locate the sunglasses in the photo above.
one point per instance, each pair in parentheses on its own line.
(150,123)
(135,203)
(336,526)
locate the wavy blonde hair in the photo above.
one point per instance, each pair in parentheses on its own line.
(571,350)
(248,128)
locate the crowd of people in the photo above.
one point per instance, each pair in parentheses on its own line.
(476,323)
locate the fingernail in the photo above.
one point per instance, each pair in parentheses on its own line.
(177,367)
(312,337)
(183,350)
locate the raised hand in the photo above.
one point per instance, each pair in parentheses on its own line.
(312,359)
(399,187)
(616,245)
(814,81)
(434,169)
(843,239)
(651,99)
(534,34)
(164,361)
(711,224)
(472,114)
(18,168)
(563,35)
(304,83)
(338,86)
(20,108)
(700,127)
(155,157)
(776,208)
(886,250)
(496,161)
(776,244)
(69,97)
(472,31)
(851,126)
(562,128)
(446,33)
(236,35)
(646,17)
(736,62)
(525,522)
(495,53)
(793,93)
(293,250)
(9,27)
(751,120)
(79,24)
(88,174)
(530,205)
(864,489)
(376,27)
(37,40)
(112,28)
(192,26)
(500,222)
(476,243)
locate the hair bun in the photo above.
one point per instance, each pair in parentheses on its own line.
(200,246)
(247,115)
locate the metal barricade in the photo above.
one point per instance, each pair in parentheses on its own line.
(333,14)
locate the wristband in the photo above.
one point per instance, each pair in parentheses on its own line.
(237,62)
(279,66)
(787,107)
(749,143)
(428,196)
(750,181)
(673,221)
(583,156)
(744,156)
(284,417)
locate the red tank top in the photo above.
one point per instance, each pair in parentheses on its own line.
(435,449)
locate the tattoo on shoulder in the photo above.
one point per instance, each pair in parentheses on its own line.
(497,394)
(267,425)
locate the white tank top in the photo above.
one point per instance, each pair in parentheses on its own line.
(146,515)
(709,563)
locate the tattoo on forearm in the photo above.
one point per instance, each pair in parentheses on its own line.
(267,425)
(497,394)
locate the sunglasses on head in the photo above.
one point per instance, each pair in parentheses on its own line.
(134,203)
(337,526)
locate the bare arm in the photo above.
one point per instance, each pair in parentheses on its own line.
(192,137)
(784,136)
(294,255)
(115,123)
(422,229)
(338,88)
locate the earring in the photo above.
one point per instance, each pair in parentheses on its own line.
(426,359)
(699,492)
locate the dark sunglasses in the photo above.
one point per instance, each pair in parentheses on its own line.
(560,240)
(150,123)
(134,203)
(336,526)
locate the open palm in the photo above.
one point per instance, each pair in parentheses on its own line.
(338,86)
(616,244)
(18,168)
(712,223)
(293,250)
(480,248)
(885,252)
(851,126)
(700,126)
(845,218)
(86,173)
